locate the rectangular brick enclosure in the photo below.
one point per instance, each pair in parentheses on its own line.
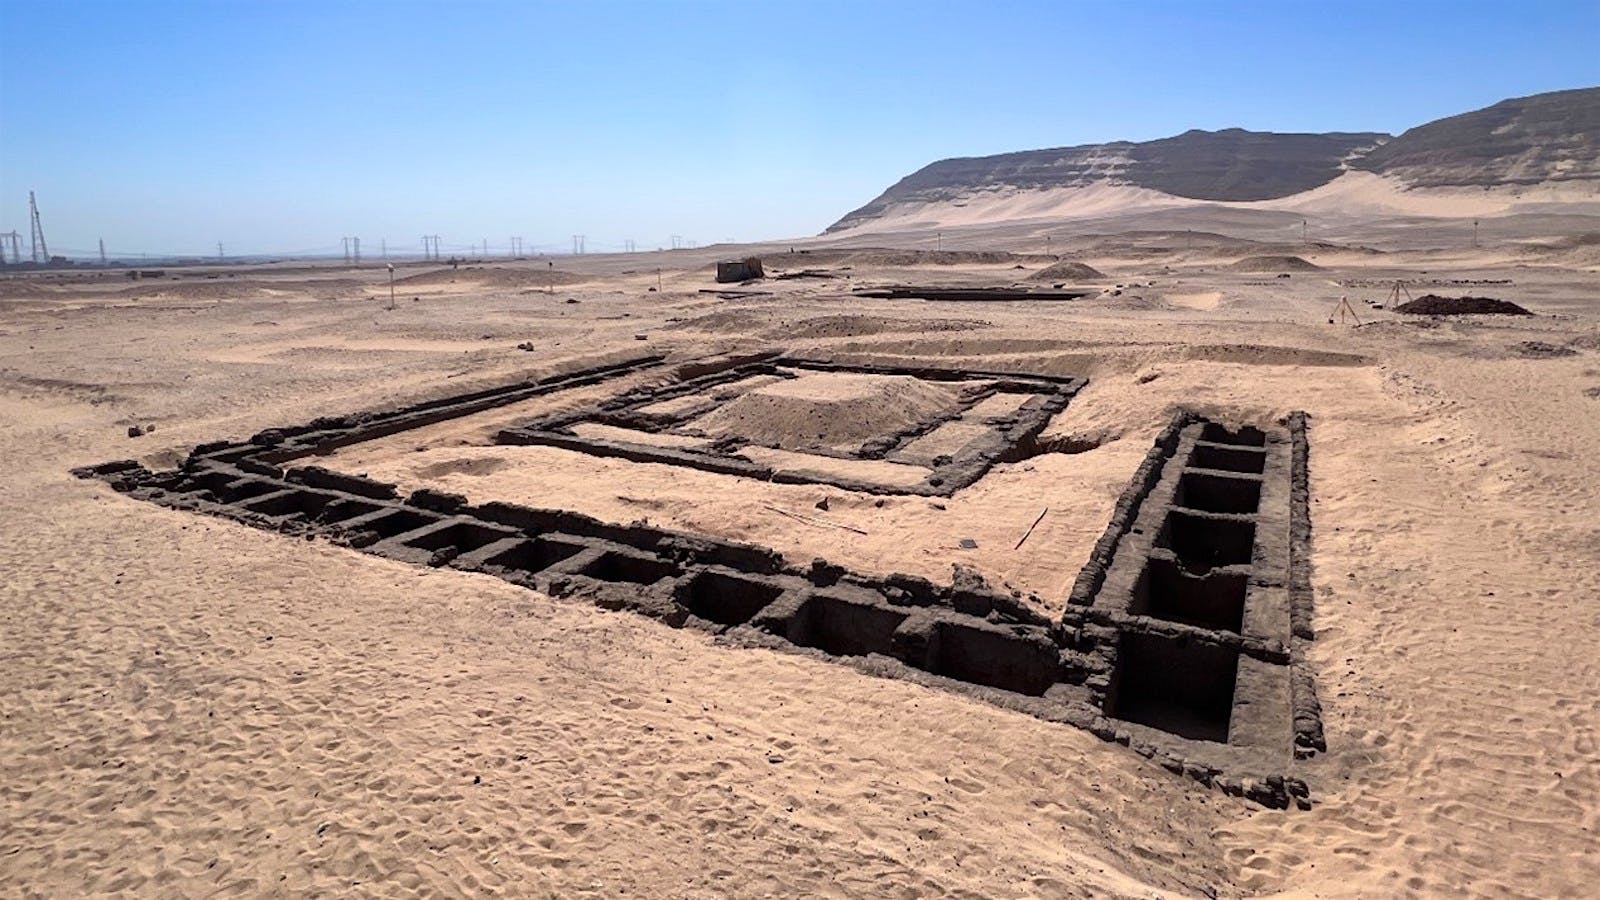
(1182,638)
(874,429)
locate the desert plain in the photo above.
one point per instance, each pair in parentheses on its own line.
(191,706)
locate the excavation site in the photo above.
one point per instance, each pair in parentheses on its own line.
(1177,641)
(710,450)
(658,559)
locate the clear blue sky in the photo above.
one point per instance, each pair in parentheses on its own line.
(282,126)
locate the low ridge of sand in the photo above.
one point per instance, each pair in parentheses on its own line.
(1274,264)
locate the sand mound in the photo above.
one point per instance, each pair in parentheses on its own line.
(1274,264)
(1068,271)
(1434,305)
(493,277)
(828,410)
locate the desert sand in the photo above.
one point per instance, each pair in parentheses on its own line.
(193,707)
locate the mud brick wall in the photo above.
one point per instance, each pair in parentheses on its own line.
(950,473)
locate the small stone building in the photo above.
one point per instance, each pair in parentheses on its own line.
(739,269)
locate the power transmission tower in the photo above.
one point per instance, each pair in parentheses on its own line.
(431,241)
(677,241)
(578,242)
(220,256)
(41,253)
(16,247)
(628,246)
(383,247)
(102,251)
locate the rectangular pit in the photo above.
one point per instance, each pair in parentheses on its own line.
(1166,591)
(463,536)
(535,555)
(992,658)
(1217,493)
(628,569)
(290,503)
(345,509)
(1228,458)
(396,522)
(1179,686)
(727,599)
(1201,543)
(844,628)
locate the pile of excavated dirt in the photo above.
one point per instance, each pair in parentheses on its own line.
(1274,264)
(828,410)
(1068,271)
(1434,305)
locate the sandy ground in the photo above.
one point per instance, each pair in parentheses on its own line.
(191,707)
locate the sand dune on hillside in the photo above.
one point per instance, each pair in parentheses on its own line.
(1365,193)
(1351,194)
(1011,204)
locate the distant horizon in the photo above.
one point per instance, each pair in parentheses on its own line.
(278,129)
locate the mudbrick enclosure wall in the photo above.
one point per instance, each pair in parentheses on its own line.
(674,408)
(1182,638)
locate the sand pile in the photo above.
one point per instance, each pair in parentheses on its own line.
(828,410)
(1274,264)
(1434,305)
(494,277)
(1068,271)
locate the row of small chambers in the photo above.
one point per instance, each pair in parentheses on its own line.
(1181,686)
(718,596)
